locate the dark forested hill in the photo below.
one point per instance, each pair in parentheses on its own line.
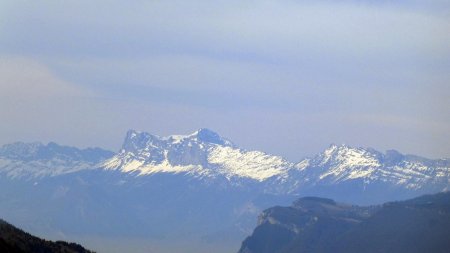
(316,225)
(14,240)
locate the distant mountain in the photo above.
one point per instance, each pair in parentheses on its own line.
(361,175)
(205,155)
(14,240)
(31,160)
(321,225)
(202,154)
(342,163)
(199,190)
(366,176)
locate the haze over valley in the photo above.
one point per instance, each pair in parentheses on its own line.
(224,126)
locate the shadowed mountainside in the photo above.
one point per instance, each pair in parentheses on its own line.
(14,240)
(321,225)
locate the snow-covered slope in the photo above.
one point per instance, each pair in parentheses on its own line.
(36,160)
(206,155)
(202,154)
(340,164)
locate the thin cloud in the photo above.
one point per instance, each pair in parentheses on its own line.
(304,68)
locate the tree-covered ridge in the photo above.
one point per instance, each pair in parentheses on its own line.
(316,225)
(14,240)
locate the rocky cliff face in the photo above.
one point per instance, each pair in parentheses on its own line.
(322,225)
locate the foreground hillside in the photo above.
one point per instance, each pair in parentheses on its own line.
(14,240)
(315,225)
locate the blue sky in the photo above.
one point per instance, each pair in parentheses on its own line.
(286,77)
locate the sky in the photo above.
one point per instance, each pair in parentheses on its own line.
(285,77)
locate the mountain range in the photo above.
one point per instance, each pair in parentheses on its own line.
(199,187)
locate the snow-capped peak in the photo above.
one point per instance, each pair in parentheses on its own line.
(341,163)
(139,140)
(344,154)
(206,135)
(205,154)
(202,153)
(31,160)
(135,140)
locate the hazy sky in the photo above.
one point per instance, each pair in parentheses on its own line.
(285,77)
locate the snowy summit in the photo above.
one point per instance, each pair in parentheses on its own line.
(203,153)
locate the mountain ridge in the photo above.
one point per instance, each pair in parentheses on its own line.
(205,154)
(314,224)
(220,188)
(14,240)
(37,160)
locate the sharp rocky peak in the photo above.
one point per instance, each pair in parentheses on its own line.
(343,152)
(344,148)
(347,156)
(37,151)
(136,140)
(208,136)
(20,149)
